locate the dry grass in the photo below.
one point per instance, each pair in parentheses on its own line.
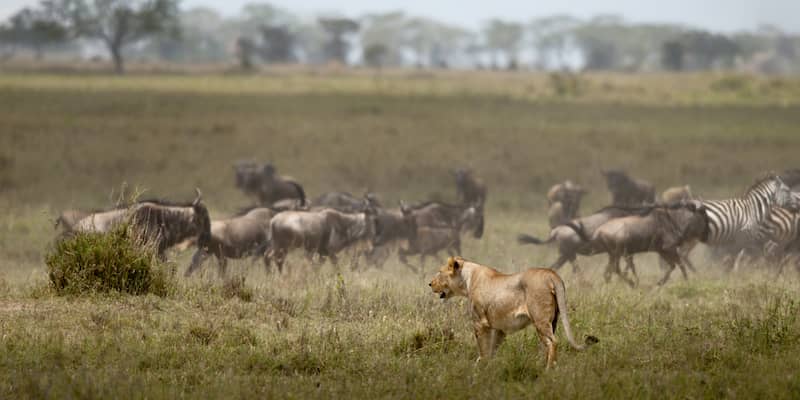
(69,141)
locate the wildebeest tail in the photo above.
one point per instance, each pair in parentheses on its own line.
(578,228)
(528,239)
(300,191)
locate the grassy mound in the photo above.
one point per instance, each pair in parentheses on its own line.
(114,261)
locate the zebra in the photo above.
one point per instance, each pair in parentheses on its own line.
(781,229)
(737,224)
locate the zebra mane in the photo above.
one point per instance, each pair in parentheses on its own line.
(761,181)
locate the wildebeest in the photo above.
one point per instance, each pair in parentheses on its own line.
(346,202)
(68,218)
(570,244)
(676,194)
(323,233)
(469,188)
(564,199)
(158,222)
(236,237)
(439,227)
(392,226)
(265,184)
(662,230)
(627,191)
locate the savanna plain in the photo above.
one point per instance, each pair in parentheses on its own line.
(73,141)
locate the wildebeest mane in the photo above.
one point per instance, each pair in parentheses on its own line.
(426,203)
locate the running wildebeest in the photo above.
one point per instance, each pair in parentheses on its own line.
(323,233)
(392,226)
(158,222)
(662,230)
(676,194)
(346,202)
(570,244)
(68,218)
(626,191)
(266,185)
(439,227)
(564,199)
(237,237)
(469,188)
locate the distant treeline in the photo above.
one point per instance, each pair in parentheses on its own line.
(262,34)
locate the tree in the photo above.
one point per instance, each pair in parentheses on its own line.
(375,55)
(337,46)
(277,44)
(116,23)
(672,55)
(551,37)
(34,29)
(245,50)
(505,37)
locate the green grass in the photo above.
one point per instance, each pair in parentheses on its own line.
(73,141)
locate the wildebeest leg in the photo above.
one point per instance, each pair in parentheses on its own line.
(280,258)
(197,260)
(401,254)
(269,254)
(618,271)
(629,266)
(562,258)
(684,252)
(222,261)
(613,259)
(671,259)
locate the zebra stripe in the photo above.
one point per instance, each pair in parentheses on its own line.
(739,220)
(781,227)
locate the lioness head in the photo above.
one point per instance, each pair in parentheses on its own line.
(449,282)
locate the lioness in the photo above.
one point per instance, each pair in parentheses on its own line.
(505,303)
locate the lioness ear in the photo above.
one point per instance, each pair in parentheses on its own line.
(455,264)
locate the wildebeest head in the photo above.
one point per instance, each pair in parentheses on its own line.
(472,219)
(616,178)
(201,221)
(268,170)
(394,225)
(247,175)
(683,221)
(784,197)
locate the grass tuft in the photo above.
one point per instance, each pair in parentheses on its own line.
(97,263)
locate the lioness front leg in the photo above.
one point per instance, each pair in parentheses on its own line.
(483,335)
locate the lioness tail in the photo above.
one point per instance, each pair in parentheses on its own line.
(561,300)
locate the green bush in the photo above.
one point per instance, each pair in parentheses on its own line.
(114,261)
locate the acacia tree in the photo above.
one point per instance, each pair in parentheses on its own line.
(33,29)
(505,37)
(338,28)
(116,23)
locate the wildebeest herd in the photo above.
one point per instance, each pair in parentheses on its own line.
(763,222)
(285,220)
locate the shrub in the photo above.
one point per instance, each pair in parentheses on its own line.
(104,262)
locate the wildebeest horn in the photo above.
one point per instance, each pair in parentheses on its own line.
(198,198)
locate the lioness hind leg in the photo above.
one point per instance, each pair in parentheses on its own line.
(548,341)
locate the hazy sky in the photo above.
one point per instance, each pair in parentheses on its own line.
(718,15)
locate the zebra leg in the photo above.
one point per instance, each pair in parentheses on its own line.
(738,261)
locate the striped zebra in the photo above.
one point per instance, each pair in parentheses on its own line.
(781,229)
(737,224)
